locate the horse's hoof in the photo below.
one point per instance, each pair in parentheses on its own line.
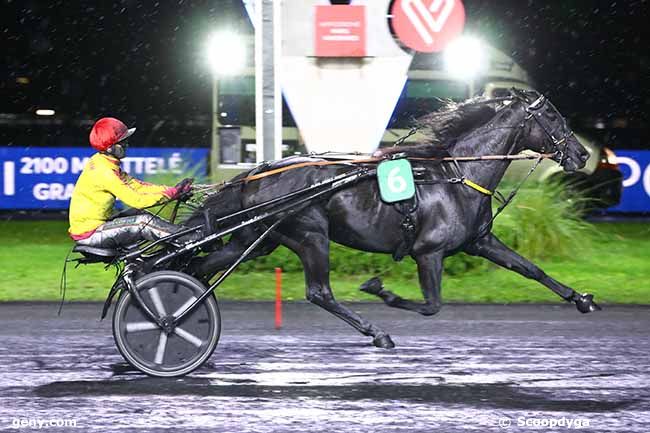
(383,341)
(373,286)
(585,303)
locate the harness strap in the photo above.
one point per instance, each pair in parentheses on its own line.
(408,226)
(461,180)
(505,202)
(476,186)
(307,164)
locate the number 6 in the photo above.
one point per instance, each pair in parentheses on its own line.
(396,183)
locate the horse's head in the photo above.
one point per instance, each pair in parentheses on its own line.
(547,131)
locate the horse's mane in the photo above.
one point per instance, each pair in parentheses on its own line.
(443,127)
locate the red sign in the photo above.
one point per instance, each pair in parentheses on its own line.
(340,31)
(427,25)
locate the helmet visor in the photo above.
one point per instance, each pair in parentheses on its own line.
(129,132)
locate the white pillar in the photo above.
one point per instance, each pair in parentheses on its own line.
(268,96)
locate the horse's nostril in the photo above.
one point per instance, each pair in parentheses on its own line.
(584,157)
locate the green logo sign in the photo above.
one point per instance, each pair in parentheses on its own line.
(395,180)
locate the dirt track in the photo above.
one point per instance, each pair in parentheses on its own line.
(466,369)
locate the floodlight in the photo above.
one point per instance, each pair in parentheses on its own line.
(45,112)
(225,53)
(466,57)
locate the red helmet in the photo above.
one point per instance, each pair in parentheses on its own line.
(107,131)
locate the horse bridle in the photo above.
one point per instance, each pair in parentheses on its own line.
(534,111)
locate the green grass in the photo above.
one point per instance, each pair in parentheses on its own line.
(614,266)
(544,221)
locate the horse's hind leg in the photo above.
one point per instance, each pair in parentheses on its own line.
(429,274)
(494,250)
(313,250)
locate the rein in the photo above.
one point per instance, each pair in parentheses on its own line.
(205,187)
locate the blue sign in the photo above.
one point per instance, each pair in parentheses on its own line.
(635,165)
(44,177)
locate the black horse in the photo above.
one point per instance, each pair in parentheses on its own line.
(450,217)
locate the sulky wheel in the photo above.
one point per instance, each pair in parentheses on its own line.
(182,348)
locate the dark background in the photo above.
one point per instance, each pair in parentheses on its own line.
(142,59)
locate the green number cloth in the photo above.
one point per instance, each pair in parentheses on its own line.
(395,180)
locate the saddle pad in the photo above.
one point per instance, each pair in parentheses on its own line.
(395,178)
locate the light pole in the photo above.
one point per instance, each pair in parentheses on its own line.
(215,157)
(466,58)
(225,54)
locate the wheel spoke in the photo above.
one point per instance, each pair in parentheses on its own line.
(160,351)
(157,302)
(184,306)
(141,326)
(190,338)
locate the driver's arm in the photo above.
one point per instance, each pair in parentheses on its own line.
(135,193)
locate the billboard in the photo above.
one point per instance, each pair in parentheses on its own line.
(43,177)
(427,26)
(340,31)
(635,165)
(341,72)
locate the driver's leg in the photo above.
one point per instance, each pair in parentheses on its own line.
(153,228)
(123,231)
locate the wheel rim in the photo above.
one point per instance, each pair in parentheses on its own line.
(145,345)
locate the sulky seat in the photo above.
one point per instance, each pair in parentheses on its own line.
(94,254)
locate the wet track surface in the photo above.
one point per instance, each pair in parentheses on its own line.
(467,369)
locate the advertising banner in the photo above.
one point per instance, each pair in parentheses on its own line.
(43,177)
(342,72)
(635,165)
(340,31)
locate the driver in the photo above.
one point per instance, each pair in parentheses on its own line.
(102,181)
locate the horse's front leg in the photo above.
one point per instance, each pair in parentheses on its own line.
(490,247)
(430,276)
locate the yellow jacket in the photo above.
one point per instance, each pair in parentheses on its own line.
(100,183)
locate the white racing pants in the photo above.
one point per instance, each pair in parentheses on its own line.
(129,230)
